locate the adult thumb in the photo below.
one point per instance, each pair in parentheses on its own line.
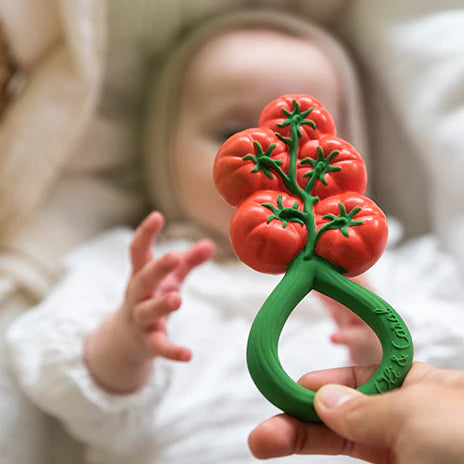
(368,420)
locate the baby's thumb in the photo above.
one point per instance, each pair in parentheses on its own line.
(367,420)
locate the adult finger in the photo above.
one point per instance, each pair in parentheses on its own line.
(283,435)
(368,420)
(141,246)
(352,376)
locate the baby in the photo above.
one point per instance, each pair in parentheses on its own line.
(98,352)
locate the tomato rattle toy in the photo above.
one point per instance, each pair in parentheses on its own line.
(301,209)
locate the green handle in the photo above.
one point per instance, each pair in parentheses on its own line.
(302,276)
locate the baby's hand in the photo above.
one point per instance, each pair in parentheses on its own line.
(119,352)
(362,343)
(153,289)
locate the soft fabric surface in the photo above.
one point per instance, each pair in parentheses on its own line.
(198,412)
(202,411)
(412,55)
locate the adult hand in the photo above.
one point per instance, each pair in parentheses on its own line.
(422,422)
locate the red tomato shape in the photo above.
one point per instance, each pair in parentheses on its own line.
(365,242)
(273,115)
(266,246)
(350,176)
(234,176)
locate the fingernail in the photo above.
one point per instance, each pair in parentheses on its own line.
(333,396)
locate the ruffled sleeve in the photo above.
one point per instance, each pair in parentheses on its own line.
(46,351)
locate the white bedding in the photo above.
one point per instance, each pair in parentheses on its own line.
(203,411)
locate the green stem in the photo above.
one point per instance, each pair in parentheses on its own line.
(262,350)
(271,164)
(310,227)
(291,184)
(325,227)
(301,277)
(293,152)
(315,174)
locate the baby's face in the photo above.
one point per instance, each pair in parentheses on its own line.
(226,86)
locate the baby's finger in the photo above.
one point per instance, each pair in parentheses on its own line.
(141,245)
(143,284)
(362,343)
(353,336)
(341,314)
(150,311)
(158,343)
(197,254)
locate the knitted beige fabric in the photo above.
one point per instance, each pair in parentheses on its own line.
(7,69)
(167,84)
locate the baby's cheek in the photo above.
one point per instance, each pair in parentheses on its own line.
(193,156)
(216,216)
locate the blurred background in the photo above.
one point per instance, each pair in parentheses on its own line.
(73,83)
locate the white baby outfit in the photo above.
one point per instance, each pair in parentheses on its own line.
(202,412)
